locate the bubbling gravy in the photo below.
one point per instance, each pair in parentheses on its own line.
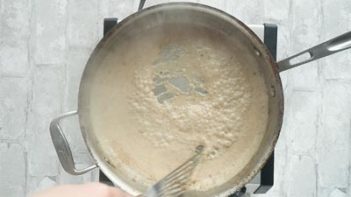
(152,105)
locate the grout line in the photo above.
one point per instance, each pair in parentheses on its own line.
(321,63)
(25,154)
(305,90)
(317,177)
(12,76)
(338,80)
(318,127)
(30,61)
(48,65)
(64,74)
(320,109)
(349,168)
(11,141)
(29,93)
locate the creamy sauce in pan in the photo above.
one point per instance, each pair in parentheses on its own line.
(151,106)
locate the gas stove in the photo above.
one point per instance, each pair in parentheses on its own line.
(265,179)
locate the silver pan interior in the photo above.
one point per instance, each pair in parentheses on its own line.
(174,17)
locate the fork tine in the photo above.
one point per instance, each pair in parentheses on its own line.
(174,184)
(159,191)
(173,193)
(177,180)
(172,188)
(187,170)
(180,176)
(175,189)
(186,166)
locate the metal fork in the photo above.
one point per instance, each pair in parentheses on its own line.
(174,184)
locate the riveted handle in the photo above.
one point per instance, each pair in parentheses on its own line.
(62,147)
(329,47)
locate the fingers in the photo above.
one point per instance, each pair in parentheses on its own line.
(85,190)
(106,191)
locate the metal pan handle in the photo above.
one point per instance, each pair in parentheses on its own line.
(141,4)
(62,147)
(329,47)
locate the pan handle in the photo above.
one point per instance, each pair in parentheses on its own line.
(141,4)
(329,47)
(62,147)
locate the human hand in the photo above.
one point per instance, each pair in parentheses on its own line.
(85,190)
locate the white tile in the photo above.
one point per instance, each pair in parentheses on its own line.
(49,31)
(324,191)
(46,104)
(15,19)
(32,184)
(301,177)
(14,36)
(12,170)
(337,66)
(333,139)
(336,18)
(276,11)
(337,193)
(121,9)
(14,59)
(82,23)
(250,12)
(13,107)
(75,64)
(302,120)
(306,22)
